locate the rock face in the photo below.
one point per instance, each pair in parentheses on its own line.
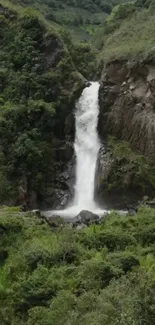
(53,50)
(127,101)
(60,178)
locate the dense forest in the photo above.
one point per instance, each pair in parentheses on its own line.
(40,79)
(58,273)
(89,5)
(81,18)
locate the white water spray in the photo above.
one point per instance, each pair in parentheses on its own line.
(86,147)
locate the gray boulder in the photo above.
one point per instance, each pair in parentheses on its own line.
(86,217)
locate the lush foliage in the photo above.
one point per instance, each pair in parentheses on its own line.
(90,5)
(83,55)
(128,33)
(103,274)
(81,17)
(129,168)
(38,85)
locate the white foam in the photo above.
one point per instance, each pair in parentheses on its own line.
(86,146)
(73,211)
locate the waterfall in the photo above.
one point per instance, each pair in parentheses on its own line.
(86,147)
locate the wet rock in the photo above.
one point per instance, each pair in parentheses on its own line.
(146,201)
(62,197)
(36,212)
(70,124)
(104,166)
(87,83)
(151,203)
(32,201)
(59,185)
(86,217)
(62,151)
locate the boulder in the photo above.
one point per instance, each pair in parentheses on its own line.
(86,217)
(87,83)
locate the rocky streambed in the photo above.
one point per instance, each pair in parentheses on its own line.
(87,218)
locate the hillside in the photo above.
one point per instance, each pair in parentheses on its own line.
(59,275)
(127,101)
(81,18)
(39,84)
(90,270)
(128,33)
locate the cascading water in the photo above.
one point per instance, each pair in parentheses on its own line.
(86,146)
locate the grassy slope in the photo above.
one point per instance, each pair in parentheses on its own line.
(84,31)
(64,18)
(134,39)
(79,21)
(131,38)
(100,275)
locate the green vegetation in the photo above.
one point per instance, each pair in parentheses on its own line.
(80,17)
(130,169)
(128,33)
(83,55)
(103,274)
(39,84)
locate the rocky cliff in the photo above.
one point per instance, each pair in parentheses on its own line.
(127,102)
